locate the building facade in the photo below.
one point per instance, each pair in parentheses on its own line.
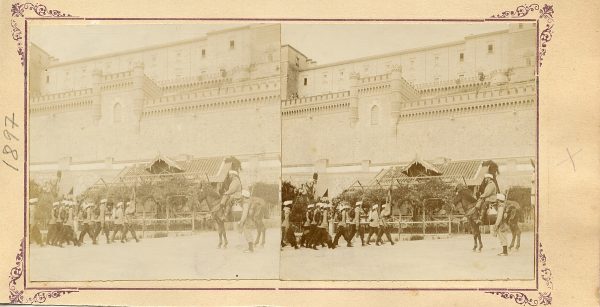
(212,96)
(239,92)
(473,99)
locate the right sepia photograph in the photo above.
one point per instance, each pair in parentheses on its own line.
(409,151)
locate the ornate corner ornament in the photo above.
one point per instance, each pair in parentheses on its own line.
(536,299)
(19,10)
(18,295)
(545,16)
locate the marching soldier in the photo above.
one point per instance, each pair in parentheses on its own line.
(86,218)
(104,218)
(356,226)
(322,235)
(246,223)
(383,225)
(500,226)
(314,230)
(287,230)
(60,221)
(52,224)
(129,226)
(118,221)
(373,223)
(68,232)
(95,222)
(34,232)
(342,229)
(306,232)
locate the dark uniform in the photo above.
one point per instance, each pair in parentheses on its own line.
(68,232)
(373,224)
(34,232)
(322,235)
(105,220)
(384,228)
(118,219)
(86,227)
(306,227)
(287,231)
(342,228)
(129,225)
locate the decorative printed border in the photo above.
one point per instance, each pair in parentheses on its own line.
(18,10)
(544,298)
(17,294)
(545,14)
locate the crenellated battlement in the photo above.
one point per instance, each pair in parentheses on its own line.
(312,100)
(526,88)
(191,104)
(61,96)
(492,99)
(193,83)
(234,89)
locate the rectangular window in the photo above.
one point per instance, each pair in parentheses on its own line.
(305,81)
(47,79)
(231,44)
(490,48)
(203,52)
(461,57)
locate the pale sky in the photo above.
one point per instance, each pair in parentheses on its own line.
(327,43)
(324,43)
(69,42)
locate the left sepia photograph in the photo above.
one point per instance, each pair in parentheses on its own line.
(153,151)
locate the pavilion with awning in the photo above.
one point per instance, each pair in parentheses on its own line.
(468,172)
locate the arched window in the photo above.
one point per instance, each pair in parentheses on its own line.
(117,113)
(374,115)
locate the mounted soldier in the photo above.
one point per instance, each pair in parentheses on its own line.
(231,190)
(486,198)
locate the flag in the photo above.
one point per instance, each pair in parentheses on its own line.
(326,194)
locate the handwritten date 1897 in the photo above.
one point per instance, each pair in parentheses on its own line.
(8,150)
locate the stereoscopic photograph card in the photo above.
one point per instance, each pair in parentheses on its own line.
(299,153)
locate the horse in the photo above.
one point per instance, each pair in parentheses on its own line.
(466,199)
(513,215)
(213,200)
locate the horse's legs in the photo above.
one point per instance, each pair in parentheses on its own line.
(222,229)
(514,236)
(220,236)
(518,237)
(479,237)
